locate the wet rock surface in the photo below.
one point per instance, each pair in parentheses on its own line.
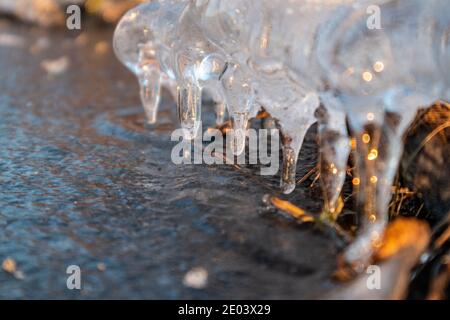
(84,181)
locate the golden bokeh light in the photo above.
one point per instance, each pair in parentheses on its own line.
(367,76)
(366,138)
(373,154)
(378,66)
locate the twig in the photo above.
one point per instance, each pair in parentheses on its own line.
(315,180)
(291,209)
(308,174)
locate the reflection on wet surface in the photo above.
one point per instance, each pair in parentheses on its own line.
(84,181)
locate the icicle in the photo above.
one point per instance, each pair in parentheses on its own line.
(378,152)
(334,153)
(134,45)
(365,182)
(240,123)
(294,112)
(208,74)
(239,98)
(379,148)
(189,109)
(198,66)
(150,91)
(287,183)
(292,145)
(221,111)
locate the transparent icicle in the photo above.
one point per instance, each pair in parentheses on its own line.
(189,109)
(239,98)
(149,76)
(221,112)
(335,148)
(293,107)
(199,65)
(135,46)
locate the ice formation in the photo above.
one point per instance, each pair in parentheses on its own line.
(289,58)
(136,46)
(381,84)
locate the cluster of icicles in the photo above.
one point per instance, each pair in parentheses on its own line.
(366,65)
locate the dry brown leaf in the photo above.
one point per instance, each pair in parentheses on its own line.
(9,265)
(403,234)
(291,209)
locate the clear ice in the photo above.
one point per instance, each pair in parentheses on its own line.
(302,61)
(381,84)
(136,46)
